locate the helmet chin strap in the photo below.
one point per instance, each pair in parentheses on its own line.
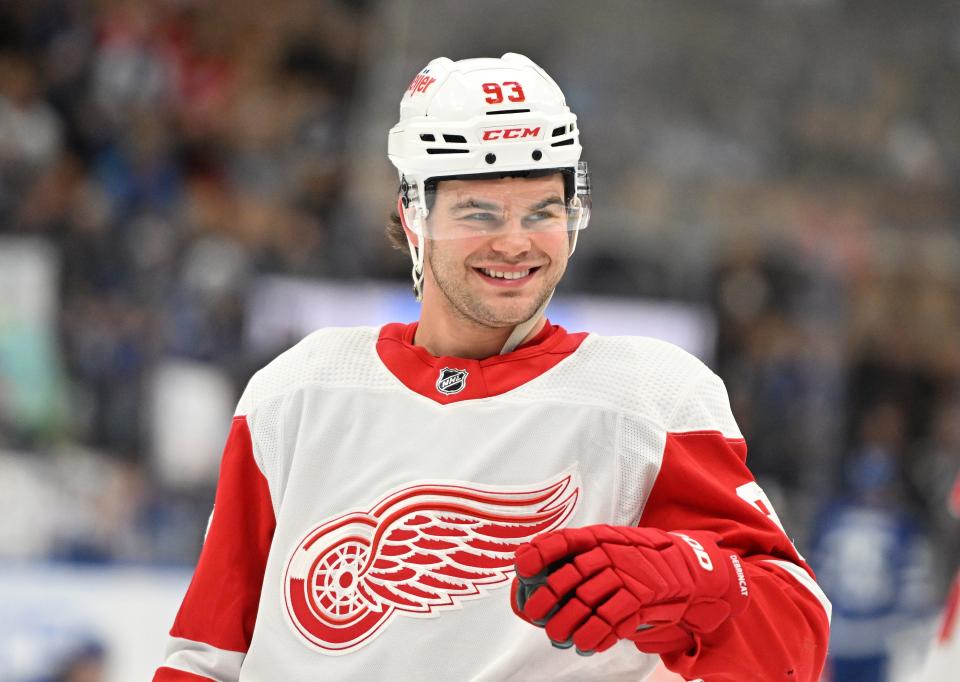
(520,332)
(416,254)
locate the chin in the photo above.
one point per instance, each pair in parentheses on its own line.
(509,316)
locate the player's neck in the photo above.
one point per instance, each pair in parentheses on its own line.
(443,335)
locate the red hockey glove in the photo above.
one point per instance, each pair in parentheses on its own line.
(593,586)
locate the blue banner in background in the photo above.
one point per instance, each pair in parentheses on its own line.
(55,618)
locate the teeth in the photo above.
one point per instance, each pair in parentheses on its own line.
(505,275)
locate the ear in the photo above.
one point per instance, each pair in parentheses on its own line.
(411,235)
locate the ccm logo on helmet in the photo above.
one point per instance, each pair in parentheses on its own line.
(491,134)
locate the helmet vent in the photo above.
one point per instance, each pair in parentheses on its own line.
(441,150)
(561,143)
(508,111)
(556,131)
(455,138)
(427,137)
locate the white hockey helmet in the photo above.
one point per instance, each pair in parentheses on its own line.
(485,117)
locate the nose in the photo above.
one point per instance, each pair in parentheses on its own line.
(513,240)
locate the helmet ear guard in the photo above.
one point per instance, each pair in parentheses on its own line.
(407,207)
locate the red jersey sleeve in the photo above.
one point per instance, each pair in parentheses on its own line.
(704,484)
(213,629)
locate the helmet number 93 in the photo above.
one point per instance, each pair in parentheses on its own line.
(495,92)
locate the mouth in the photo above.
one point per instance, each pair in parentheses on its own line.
(512,277)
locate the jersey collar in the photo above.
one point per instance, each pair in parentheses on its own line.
(450,379)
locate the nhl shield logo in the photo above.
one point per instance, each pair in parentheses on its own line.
(451,381)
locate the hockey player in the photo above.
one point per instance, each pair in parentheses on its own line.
(481,494)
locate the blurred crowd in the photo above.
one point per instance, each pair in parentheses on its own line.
(793,165)
(167,151)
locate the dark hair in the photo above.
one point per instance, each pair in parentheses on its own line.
(394,230)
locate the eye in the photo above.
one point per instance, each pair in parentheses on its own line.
(543,218)
(480,216)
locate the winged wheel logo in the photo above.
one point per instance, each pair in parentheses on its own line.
(417,551)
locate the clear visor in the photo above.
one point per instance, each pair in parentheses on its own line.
(467,208)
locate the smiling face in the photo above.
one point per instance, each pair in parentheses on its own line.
(497,247)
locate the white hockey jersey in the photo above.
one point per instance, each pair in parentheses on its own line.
(371,497)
